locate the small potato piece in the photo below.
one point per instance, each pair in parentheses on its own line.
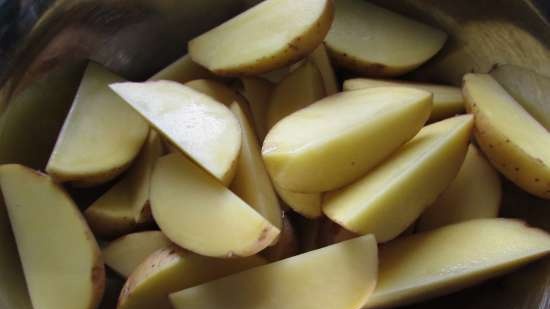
(196,124)
(306,204)
(258,92)
(320,58)
(338,276)
(515,143)
(124,254)
(299,89)
(371,40)
(198,213)
(453,257)
(182,71)
(387,200)
(125,206)
(336,140)
(60,256)
(448,100)
(101,134)
(173,269)
(475,193)
(275,33)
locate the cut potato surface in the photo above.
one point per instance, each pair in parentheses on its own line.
(322,61)
(13,289)
(47,226)
(198,213)
(251,182)
(336,140)
(515,143)
(197,125)
(306,204)
(397,191)
(216,91)
(101,134)
(173,269)
(371,40)
(448,100)
(300,88)
(300,282)
(258,92)
(182,71)
(125,206)
(444,260)
(275,33)
(475,193)
(124,254)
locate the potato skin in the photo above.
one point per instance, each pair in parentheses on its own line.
(370,69)
(530,174)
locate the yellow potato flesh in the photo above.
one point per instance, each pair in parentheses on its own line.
(306,204)
(444,260)
(515,143)
(371,40)
(339,276)
(448,100)
(182,71)
(101,134)
(336,140)
(13,289)
(197,125)
(251,182)
(216,91)
(60,257)
(124,254)
(474,193)
(275,33)
(126,205)
(258,92)
(198,213)
(322,61)
(391,197)
(299,89)
(172,269)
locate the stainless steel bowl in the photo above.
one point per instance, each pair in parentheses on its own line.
(136,38)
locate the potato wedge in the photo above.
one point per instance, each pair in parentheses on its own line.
(306,204)
(371,40)
(475,193)
(197,125)
(286,246)
(320,58)
(336,140)
(275,33)
(123,255)
(251,182)
(216,91)
(447,259)
(448,100)
(182,71)
(198,213)
(47,225)
(299,282)
(387,200)
(173,269)
(125,206)
(297,90)
(101,134)
(258,92)
(13,288)
(516,143)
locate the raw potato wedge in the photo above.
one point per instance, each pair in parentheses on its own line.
(299,89)
(13,289)
(197,125)
(198,213)
(448,100)
(336,140)
(298,282)
(475,193)
(101,134)
(125,206)
(287,245)
(173,269)
(216,91)
(123,255)
(397,191)
(182,71)
(320,58)
(258,92)
(275,33)
(450,258)
(306,204)
(251,182)
(515,143)
(376,42)
(60,257)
